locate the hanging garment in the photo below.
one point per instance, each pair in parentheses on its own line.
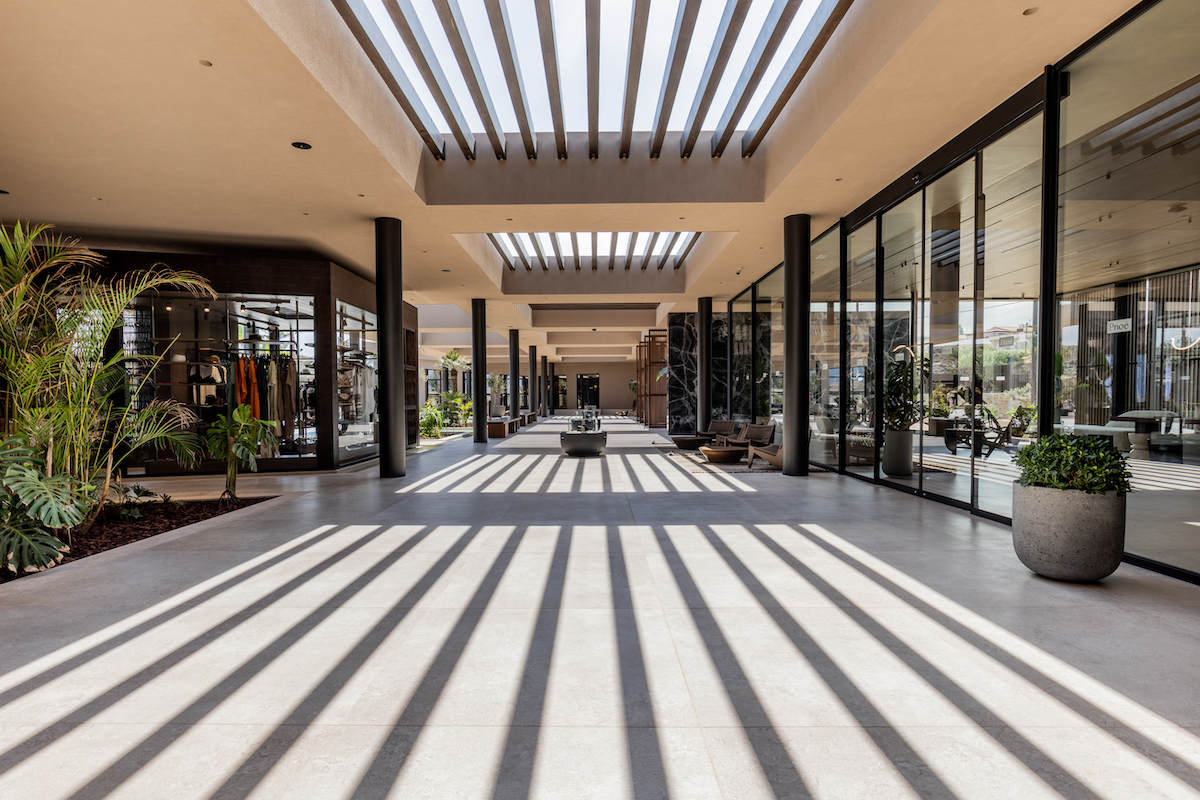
(288,398)
(242,381)
(365,385)
(252,388)
(260,372)
(273,389)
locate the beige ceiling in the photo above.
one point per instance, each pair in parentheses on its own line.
(113,129)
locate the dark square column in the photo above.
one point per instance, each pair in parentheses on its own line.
(389,306)
(514,373)
(704,379)
(797,291)
(533,380)
(479,368)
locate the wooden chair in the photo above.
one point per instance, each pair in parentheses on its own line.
(759,435)
(997,437)
(772,454)
(718,427)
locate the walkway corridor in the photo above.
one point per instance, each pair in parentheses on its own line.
(508,623)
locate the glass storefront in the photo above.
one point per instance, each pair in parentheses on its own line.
(357,369)
(251,349)
(824,367)
(858,413)
(741,356)
(768,367)
(1129,267)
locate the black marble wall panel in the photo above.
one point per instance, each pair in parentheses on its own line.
(683,352)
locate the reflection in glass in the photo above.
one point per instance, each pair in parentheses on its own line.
(768,390)
(901,287)
(1129,245)
(357,365)
(741,356)
(947,319)
(824,375)
(862,319)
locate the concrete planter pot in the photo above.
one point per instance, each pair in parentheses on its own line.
(897,461)
(1068,535)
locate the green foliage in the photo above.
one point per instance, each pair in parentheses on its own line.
(235,440)
(32,504)
(60,394)
(633,386)
(1023,417)
(456,409)
(1088,463)
(431,421)
(901,403)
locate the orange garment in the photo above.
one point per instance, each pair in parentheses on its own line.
(241,384)
(252,387)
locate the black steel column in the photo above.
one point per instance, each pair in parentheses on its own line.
(1047,334)
(514,373)
(533,380)
(550,397)
(544,399)
(797,291)
(479,368)
(704,364)
(729,358)
(389,307)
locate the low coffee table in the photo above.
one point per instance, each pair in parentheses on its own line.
(690,442)
(723,455)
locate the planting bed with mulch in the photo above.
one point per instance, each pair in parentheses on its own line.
(110,530)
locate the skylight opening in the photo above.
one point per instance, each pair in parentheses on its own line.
(681,243)
(526,244)
(623,241)
(479,29)
(564,245)
(547,245)
(585,244)
(659,28)
(507,248)
(639,245)
(737,62)
(570,38)
(604,242)
(384,22)
(787,47)
(703,36)
(616,17)
(523,17)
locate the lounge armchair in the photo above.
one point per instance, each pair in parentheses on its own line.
(718,427)
(772,454)
(759,435)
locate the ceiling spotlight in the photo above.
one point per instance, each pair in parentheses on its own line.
(205,63)
(278,311)
(242,308)
(302,145)
(168,306)
(1178,208)
(206,308)
(1029,12)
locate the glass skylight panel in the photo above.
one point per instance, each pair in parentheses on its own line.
(507,248)
(623,241)
(659,28)
(479,28)
(526,245)
(564,244)
(523,16)
(604,242)
(431,24)
(703,36)
(547,245)
(585,244)
(615,19)
(639,245)
(787,47)
(570,39)
(681,243)
(737,61)
(384,22)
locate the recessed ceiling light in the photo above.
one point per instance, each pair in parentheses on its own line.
(445,270)
(304,213)
(1029,12)
(302,145)
(509,219)
(97,198)
(205,63)
(362,195)
(837,179)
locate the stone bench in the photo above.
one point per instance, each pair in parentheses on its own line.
(528,419)
(499,428)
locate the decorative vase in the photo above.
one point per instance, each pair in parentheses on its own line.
(897,454)
(1067,534)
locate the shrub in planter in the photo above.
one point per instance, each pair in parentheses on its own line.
(1069,507)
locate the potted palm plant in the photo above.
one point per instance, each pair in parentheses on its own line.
(901,410)
(1069,507)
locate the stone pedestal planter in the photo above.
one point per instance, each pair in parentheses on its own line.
(1068,535)
(897,460)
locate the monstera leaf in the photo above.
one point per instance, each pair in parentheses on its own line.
(56,501)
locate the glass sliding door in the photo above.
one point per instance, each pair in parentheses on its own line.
(1129,251)
(1009,287)
(862,318)
(948,431)
(902,277)
(825,352)
(768,391)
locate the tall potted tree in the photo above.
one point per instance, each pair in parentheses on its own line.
(901,410)
(1069,507)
